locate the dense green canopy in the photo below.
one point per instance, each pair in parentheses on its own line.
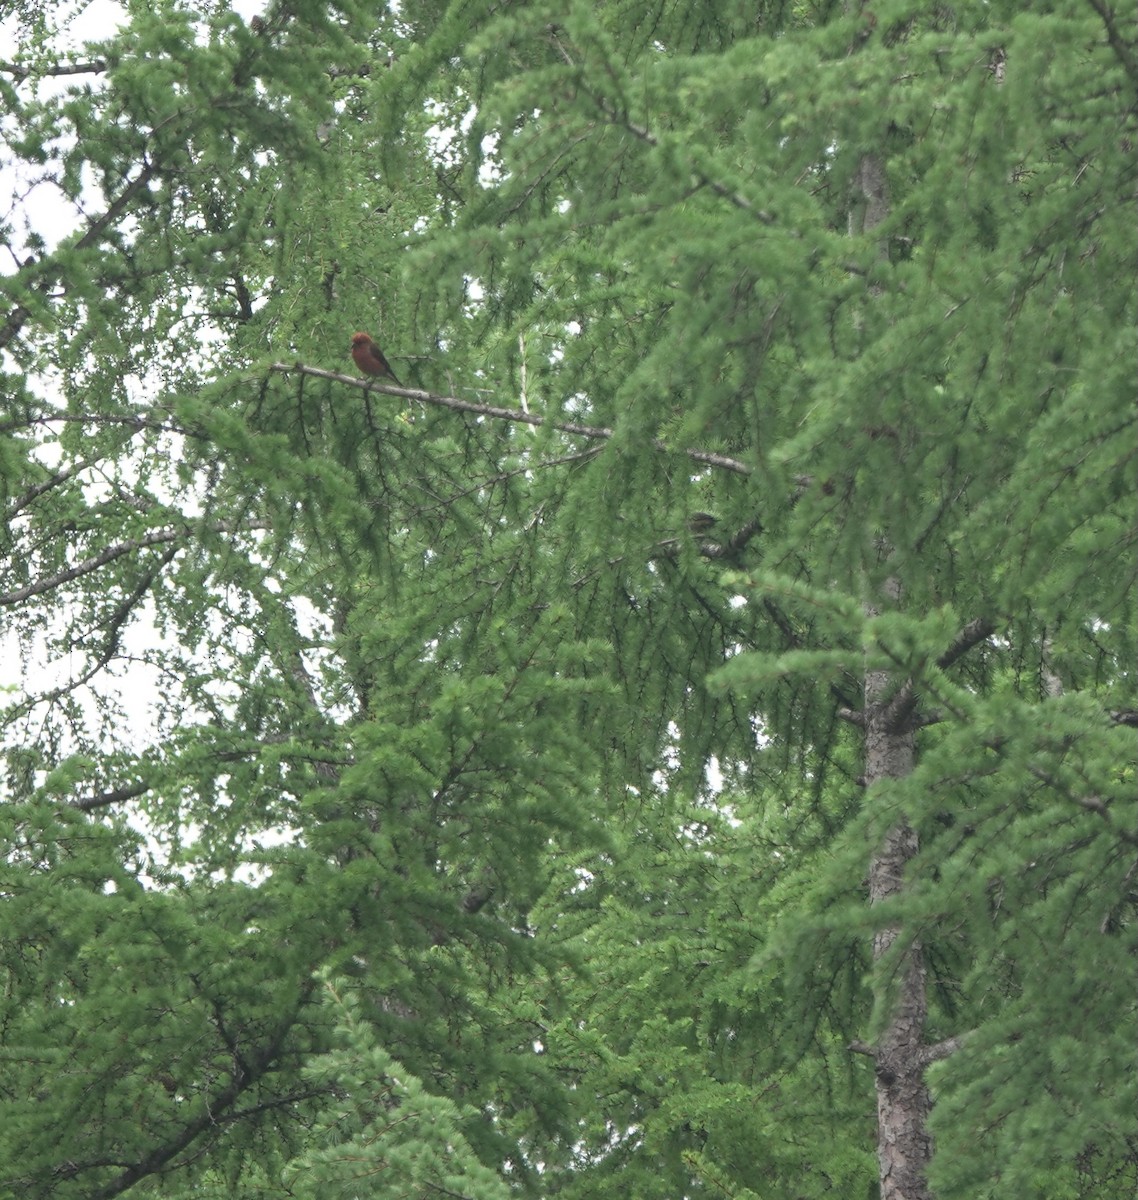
(679,737)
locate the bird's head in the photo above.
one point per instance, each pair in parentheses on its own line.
(361,339)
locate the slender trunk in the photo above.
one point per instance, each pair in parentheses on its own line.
(904,1147)
(903,1143)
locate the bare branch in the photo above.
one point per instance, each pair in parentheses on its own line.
(941,1050)
(19,73)
(116,796)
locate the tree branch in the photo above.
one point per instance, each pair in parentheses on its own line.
(709,547)
(896,717)
(1091,803)
(110,553)
(131,421)
(645,135)
(925,1055)
(971,635)
(210,1115)
(1122,51)
(130,790)
(53,481)
(941,1050)
(117,796)
(19,73)
(110,645)
(49,274)
(515,415)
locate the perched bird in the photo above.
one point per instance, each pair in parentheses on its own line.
(369,358)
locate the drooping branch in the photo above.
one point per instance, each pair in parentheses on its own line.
(110,553)
(1123,50)
(112,635)
(46,274)
(56,479)
(210,1113)
(642,133)
(515,415)
(1091,803)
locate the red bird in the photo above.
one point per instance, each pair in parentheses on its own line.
(369,358)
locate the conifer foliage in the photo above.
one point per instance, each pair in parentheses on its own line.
(678,742)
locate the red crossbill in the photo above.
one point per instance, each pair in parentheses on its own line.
(369,358)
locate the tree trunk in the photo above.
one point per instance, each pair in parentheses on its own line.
(904,1146)
(903,1143)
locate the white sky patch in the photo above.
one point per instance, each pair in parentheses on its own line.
(491,172)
